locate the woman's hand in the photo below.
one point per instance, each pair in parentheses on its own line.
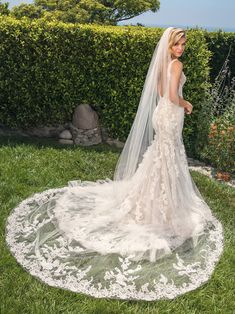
(188,108)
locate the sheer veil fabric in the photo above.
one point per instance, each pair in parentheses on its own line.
(146,234)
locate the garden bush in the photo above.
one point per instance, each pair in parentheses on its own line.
(48,68)
(220,44)
(216,123)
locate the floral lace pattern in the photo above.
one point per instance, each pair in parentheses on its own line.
(58,265)
(151,237)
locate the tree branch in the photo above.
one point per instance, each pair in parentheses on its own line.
(127,18)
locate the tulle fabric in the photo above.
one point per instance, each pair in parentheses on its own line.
(149,237)
(142,132)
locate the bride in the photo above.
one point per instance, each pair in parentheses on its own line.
(148,233)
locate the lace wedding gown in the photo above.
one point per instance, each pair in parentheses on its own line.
(150,237)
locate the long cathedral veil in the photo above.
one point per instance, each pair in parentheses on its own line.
(141,133)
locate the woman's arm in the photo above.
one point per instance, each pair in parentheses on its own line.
(188,107)
(182,102)
(176,72)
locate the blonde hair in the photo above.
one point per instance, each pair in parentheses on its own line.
(175,35)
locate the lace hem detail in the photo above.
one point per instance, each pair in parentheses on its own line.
(121,279)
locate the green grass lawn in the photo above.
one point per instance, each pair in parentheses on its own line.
(28,166)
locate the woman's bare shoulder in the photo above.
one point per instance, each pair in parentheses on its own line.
(177,66)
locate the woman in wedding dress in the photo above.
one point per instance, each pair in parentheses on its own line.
(148,233)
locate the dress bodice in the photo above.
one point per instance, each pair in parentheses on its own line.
(182,82)
(182,79)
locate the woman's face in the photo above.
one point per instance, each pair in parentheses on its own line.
(178,48)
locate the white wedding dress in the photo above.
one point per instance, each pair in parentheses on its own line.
(150,237)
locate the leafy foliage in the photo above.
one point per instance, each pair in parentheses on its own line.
(220,43)
(47,69)
(4,8)
(85,11)
(216,132)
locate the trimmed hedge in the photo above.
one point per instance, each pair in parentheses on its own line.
(219,44)
(48,68)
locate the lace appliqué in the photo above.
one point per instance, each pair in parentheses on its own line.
(60,264)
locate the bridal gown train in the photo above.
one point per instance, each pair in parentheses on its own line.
(149,237)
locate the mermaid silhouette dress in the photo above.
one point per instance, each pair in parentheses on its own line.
(150,237)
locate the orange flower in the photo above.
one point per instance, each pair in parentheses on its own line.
(213,126)
(225,176)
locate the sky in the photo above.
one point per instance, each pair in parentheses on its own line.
(209,14)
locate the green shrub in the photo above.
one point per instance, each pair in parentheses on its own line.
(219,43)
(48,68)
(220,151)
(216,124)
